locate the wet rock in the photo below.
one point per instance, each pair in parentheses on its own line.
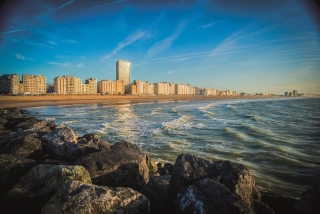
(151,164)
(309,201)
(55,162)
(123,165)
(39,185)
(208,196)
(262,208)
(278,203)
(63,144)
(52,125)
(157,192)
(189,168)
(165,168)
(22,144)
(12,168)
(9,113)
(22,123)
(78,197)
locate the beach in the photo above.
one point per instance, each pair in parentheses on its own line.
(56,100)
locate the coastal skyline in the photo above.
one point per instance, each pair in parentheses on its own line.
(248,47)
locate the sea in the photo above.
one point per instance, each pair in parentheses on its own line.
(276,139)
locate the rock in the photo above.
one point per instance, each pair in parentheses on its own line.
(52,125)
(123,165)
(9,113)
(63,144)
(309,201)
(12,168)
(262,208)
(189,168)
(278,203)
(39,185)
(22,144)
(165,168)
(151,164)
(208,196)
(22,123)
(55,162)
(78,197)
(157,192)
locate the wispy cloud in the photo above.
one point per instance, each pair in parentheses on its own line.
(66,4)
(127,41)
(60,56)
(19,56)
(80,65)
(207,25)
(70,41)
(34,43)
(12,31)
(115,2)
(166,43)
(64,65)
(83,57)
(52,43)
(171,72)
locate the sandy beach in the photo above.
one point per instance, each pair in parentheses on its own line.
(54,100)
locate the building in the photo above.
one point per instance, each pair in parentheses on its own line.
(123,71)
(9,83)
(90,86)
(34,84)
(295,93)
(182,89)
(110,87)
(68,85)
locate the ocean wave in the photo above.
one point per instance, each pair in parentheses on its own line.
(233,132)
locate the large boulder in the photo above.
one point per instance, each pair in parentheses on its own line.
(12,168)
(23,144)
(189,169)
(157,192)
(9,113)
(22,123)
(123,165)
(208,196)
(39,185)
(309,201)
(79,197)
(63,144)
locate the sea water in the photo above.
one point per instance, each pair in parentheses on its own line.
(278,140)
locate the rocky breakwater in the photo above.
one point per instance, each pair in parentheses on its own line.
(45,168)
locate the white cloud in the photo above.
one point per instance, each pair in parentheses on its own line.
(207,25)
(115,2)
(127,41)
(64,65)
(12,31)
(52,43)
(83,57)
(80,65)
(166,43)
(66,4)
(60,56)
(19,56)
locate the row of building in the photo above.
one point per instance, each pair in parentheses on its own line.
(36,84)
(295,93)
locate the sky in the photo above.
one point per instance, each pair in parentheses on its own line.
(247,46)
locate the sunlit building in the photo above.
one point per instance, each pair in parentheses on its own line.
(110,87)
(123,71)
(67,85)
(34,83)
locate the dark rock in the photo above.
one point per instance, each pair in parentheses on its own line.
(52,125)
(278,203)
(157,193)
(55,162)
(189,168)
(123,165)
(23,144)
(63,144)
(309,201)
(12,168)
(21,123)
(39,185)
(262,208)
(208,196)
(78,197)
(165,168)
(163,172)
(10,113)
(4,132)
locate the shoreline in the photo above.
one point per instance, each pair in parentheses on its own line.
(56,100)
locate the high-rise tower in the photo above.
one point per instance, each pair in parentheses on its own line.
(123,71)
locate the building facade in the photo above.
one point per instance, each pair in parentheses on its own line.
(34,84)
(123,71)
(110,87)
(9,83)
(67,85)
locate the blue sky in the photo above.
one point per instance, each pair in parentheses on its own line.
(247,46)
